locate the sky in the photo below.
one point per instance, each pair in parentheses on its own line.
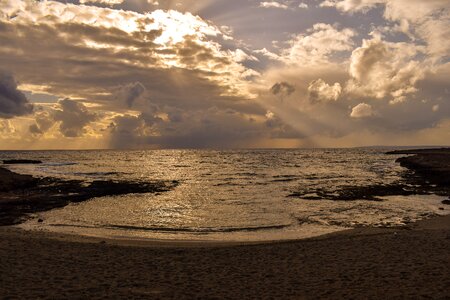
(151,74)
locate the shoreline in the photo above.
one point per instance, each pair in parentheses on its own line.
(362,263)
(17,198)
(405,262)
(439,222)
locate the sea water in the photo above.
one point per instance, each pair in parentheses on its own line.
(233,195)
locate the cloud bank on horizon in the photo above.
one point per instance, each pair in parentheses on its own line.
(159,74)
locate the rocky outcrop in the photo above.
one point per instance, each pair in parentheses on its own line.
(21,195)
(433,165)
(13,181)
(428,171)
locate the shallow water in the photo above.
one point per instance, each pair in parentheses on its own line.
(226,195)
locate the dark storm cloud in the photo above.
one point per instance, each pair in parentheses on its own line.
(130,130)
(130,93)
(282,89)
(74,117)
(12,101)
(188,129)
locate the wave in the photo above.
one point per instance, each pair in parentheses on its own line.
(285,178)
(59,164)
(98,173)
(200,230)
(228,184)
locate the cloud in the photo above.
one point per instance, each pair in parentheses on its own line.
(381,69)
(189,129)
(282,89)
(351,5)
(133,131)
(6,128)
(270,115)
(319,91)
(435,108)
(362,110)
(318,45)
(113,60)
(130,93)
(166,78)
(107,2)
(411,9)
(73,117)
(303,5)
(43,122)
(12,101)
(240,56)
(268,54)
(424,20)
(100,41)
(273,4)
(286,5)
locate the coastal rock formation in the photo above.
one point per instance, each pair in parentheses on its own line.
(13,181)
(430,164)
(428,171)
(349,193)
(21,195)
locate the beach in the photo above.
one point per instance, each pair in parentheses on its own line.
(406,262)
(273,149)
(363,263)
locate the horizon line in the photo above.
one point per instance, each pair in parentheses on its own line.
(231,148)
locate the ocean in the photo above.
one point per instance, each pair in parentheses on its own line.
(226,195)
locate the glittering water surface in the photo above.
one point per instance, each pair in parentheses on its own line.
(226,195)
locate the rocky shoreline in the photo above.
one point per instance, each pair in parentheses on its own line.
(430,164)
(22,195)
(428,172)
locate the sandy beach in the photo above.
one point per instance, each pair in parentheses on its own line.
(366,263)
(407,262)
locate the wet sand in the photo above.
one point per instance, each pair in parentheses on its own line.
(359,264)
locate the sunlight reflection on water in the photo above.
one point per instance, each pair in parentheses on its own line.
(227,195)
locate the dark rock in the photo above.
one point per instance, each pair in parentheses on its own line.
(10,181)
(21,161)
(21,195)
(446,202)
(428,172)
(40,220)
(351,193)
(421,151)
